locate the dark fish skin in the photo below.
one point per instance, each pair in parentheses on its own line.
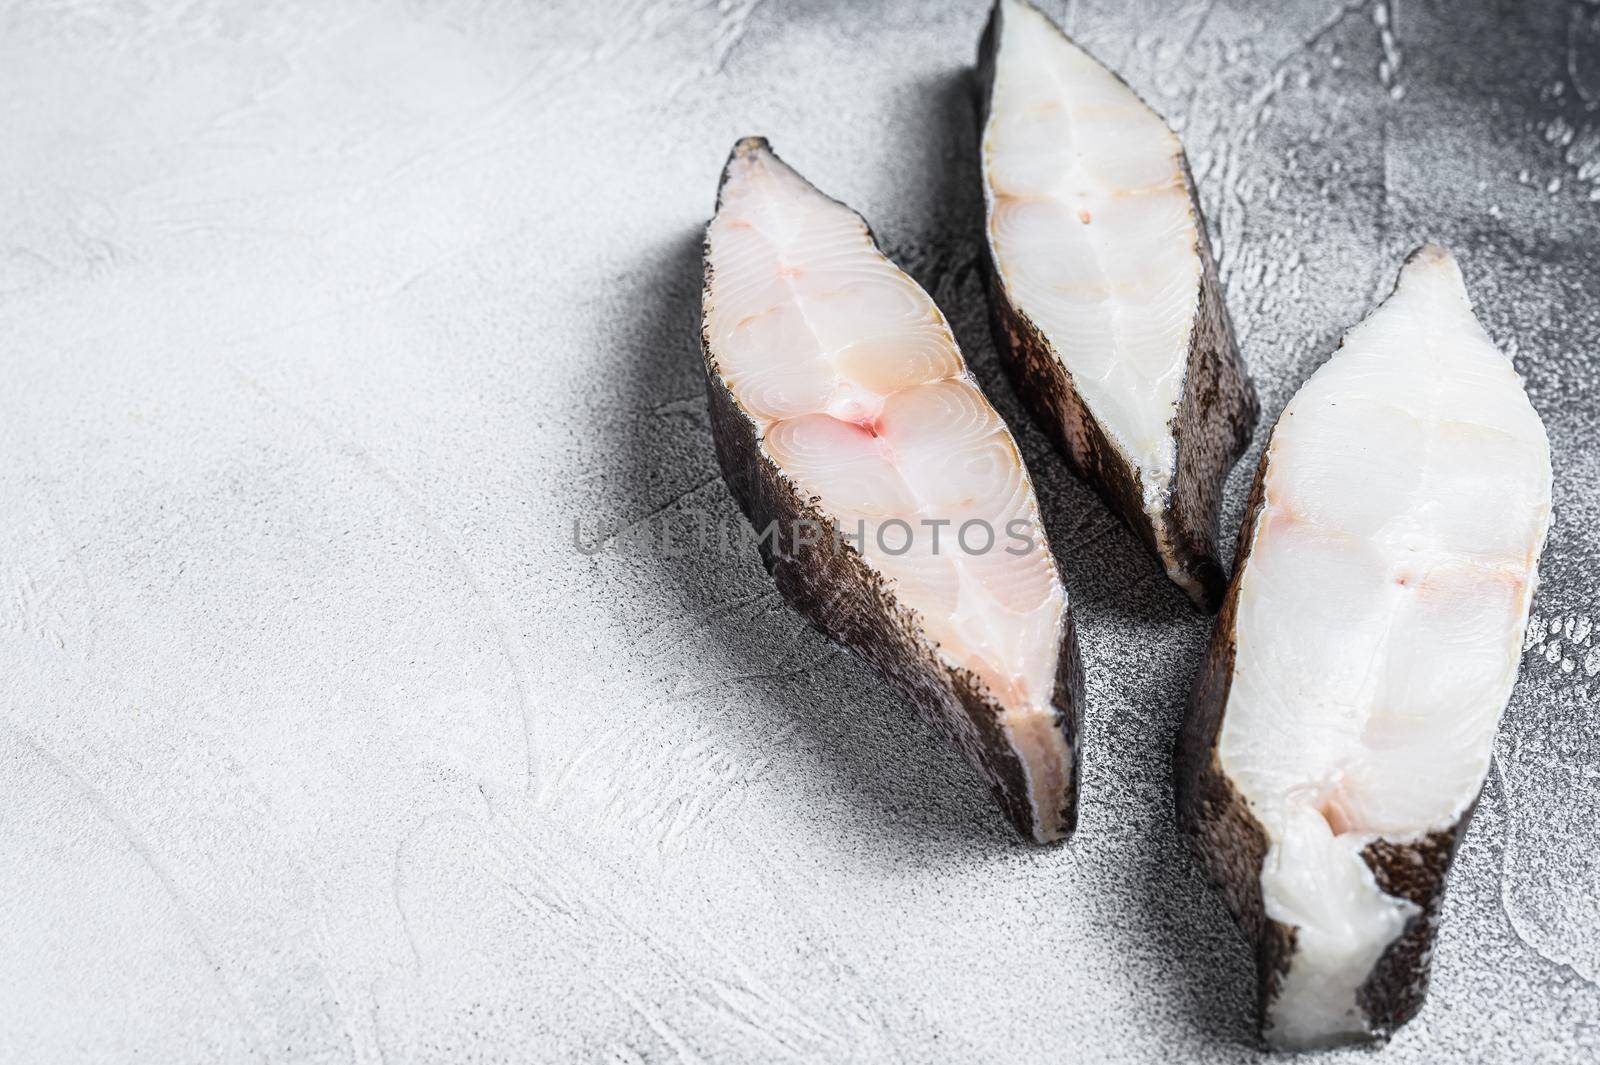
(1230,844)
(834,588)
(1216,415)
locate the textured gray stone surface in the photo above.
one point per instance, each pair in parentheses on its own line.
(321,323)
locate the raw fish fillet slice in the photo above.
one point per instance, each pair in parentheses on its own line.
(1106,305)
(1341,728)
(839,399)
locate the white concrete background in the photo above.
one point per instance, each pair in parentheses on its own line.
(320,323)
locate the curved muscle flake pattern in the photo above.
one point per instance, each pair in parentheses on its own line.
(1378,624)
(856,392)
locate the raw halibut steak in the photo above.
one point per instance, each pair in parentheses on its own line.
(1341,727)
(839,399)
(1106,305)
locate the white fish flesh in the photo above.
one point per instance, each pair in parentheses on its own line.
(840,399)
(1107,309)
(1341,729)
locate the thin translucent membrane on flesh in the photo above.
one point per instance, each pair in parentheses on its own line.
(862,398)
(1093,234)
(1380,619)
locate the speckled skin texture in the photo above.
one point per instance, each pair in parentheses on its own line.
(1228,843)
(1216,411)
(829,583)
(320,324)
